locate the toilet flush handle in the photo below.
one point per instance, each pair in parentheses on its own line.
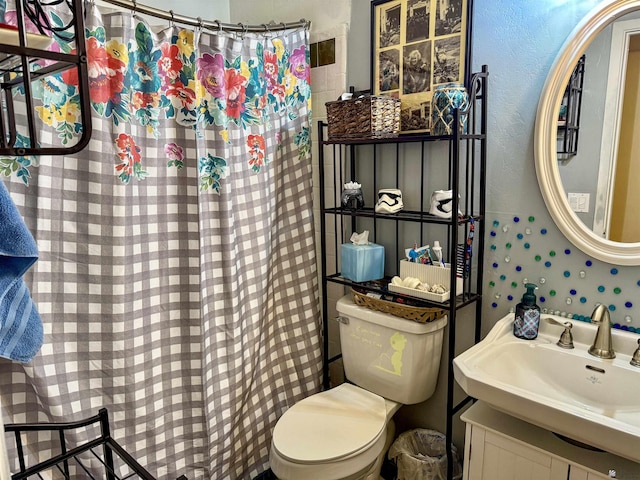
(342,319)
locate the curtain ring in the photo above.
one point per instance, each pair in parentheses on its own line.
(172,22)
(200,24)
(242,31)
(217,22)
(135,7)
(284,25)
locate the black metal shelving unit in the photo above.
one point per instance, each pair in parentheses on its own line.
(569,126)
(466,164)
(24,61)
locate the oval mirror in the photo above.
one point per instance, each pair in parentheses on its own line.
(548,162)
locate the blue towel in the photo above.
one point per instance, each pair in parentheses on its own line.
(21,333)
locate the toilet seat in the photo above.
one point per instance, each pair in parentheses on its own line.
(330,426)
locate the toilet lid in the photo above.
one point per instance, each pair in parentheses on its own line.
(330,425)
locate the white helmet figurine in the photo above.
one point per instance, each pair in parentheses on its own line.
(389,201)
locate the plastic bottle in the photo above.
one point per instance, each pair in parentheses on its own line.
(527,317)
(437,250)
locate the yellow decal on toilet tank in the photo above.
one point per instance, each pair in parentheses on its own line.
(366,336)
(393,363)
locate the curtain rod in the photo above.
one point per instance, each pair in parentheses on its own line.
(199,22)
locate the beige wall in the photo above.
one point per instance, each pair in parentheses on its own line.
(324,15)
(193,8)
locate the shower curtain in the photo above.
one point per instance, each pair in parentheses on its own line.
(177,275)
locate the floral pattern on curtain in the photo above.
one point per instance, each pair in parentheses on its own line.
(177,276)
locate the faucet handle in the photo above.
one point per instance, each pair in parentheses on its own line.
(566,339)
(635,360)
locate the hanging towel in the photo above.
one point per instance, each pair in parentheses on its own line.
(21,333)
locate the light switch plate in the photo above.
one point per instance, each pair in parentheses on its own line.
(579,202)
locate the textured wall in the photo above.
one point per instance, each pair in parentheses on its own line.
(529,37)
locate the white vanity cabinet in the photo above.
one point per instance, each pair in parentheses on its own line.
(501,447)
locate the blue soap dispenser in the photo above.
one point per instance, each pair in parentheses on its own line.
(527,321)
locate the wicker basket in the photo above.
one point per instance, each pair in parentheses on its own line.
(417,314)
(372,116)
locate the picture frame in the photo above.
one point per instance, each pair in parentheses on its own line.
(416,46)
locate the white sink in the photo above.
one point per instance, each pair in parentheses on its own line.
(569,392)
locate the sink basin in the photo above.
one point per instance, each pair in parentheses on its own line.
(570,392)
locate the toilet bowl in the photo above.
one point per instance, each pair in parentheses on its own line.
(344,433)
(338,434)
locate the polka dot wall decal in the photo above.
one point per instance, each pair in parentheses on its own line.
(612,308)
(508,245)
(552,293)
(507,259)
(518,268)
(494,305)
(628,304)
(567,251)
(542,299)
(509,297)
(583,299)
(492,283)
(566,273)
(569,301)
(495,264)
(543,231)
(588,263)
(583,274)
(493,234)
(542,280)
(528,231)
(601,288)
(614,271)
(514,284)
(493,247)
(527,246)
(547,264)
(532,219)
(516,219)
(496,223)
(617,290)
(505,229)
(573,291)
(552,253)
(520,236)
(538,258)
(627,318)
(503,277)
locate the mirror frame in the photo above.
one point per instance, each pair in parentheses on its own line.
(546,159)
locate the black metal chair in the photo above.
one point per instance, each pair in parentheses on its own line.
(103,449)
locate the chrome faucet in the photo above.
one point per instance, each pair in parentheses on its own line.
(602,345)
(635,360)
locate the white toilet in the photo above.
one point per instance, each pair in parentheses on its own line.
(343,433)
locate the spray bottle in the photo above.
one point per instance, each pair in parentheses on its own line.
(527,320)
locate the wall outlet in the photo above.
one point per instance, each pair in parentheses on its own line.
(579,202)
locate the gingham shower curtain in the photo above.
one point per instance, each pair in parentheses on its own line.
(176,280)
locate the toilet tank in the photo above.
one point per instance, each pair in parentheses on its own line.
(395,358)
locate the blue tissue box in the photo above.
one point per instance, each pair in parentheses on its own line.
(362,263)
